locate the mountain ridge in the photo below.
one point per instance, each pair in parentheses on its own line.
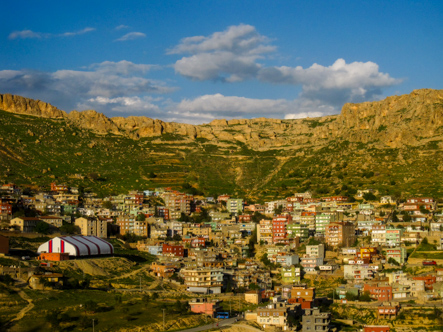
(424,104)
(394,145)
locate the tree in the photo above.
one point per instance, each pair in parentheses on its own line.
(69,228)
(107,205)
(392,261)
(141,217)
(278,209)
(351,297)
(423,210)
(177,237)
(91,306)
(42,228)
(52,317)
(407,217)
(365,297)
(369,197)
(254,286)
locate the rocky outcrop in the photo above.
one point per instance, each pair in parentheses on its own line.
(21,105)
(94,121)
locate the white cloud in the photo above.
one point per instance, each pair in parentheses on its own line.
(238,39)
(122,67)
(76,33)
(67,88)
(218,106)
(228,56)
(24,34)
(132,36)
(340,75)
(28,34)
(232,56)
(121,27)
(126,105)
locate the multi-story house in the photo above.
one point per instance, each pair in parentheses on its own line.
(398,254)
(359,272)
(58,187)
(321,221)
(279,228)
(25,224)
(310,263)
(393,236)
(177,203)
(201,230)
(203,280)
(316,251)
(53,220)
(381,293)
(378,235)
(308,218)
(175,228)
(274,314)
(314,320)
(245,218)
(296,229)
(6,208)
(340,233)
(174,250)
(130,225)
(290,275)
(92,226)
(365,226)
(234,205)
(270,207)
(264,231)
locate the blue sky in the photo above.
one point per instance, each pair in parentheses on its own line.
(195,61)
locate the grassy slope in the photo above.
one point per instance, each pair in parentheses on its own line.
(123,164)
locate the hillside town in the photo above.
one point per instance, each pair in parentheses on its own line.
(293,260)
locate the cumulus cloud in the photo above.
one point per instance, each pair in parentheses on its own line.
(123,105)
(218,105)
(131,36)
(337,83)
(65,88)
(230,55)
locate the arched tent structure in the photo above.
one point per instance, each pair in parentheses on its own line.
(77,246)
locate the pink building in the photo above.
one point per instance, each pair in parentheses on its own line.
(202,306)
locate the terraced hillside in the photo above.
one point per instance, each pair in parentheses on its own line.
(395,145)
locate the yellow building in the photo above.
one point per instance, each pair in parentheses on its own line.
(92,226)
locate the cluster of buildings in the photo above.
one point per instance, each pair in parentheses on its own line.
(296,236)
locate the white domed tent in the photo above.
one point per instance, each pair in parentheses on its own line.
(77,246)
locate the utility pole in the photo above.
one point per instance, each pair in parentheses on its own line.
(93,325)
(164,319)
(140,283)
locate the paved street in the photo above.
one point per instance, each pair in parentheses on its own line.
(222,322)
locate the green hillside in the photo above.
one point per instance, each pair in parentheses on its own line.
(37,151)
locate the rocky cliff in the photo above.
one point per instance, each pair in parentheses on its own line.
(21,105)
(392,122)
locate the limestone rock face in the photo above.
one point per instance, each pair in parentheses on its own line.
(393,122)
(93,120)
(21,105)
